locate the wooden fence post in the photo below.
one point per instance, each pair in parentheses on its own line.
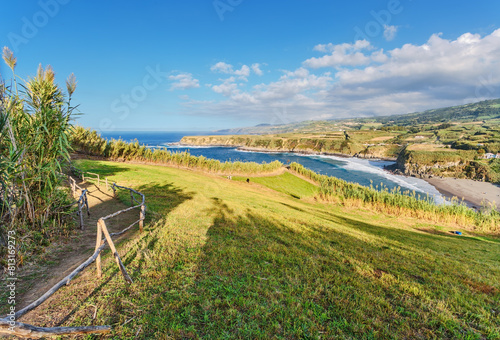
(131,198)
(98,180)
(98,243)
(80,205)
(87,203)
(142,216)
(115,253)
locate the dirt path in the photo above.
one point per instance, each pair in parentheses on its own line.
(64,257)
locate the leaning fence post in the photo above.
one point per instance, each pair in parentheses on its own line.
(142,216)
(114,190)
(98,243)
(115,253)
(107,186)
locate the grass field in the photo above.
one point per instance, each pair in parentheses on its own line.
(260,260)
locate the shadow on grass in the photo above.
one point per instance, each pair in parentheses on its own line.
(171,197)
(259,277)
(105,168)
(423,239)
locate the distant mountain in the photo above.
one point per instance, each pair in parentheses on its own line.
(480,111)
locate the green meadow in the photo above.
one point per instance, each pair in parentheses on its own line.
(268,259)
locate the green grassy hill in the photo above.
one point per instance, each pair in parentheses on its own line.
(488,110)
(230,259)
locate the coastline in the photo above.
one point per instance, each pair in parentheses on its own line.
(472,192)
(301,152)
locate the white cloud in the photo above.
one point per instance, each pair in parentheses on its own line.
(256,69)
(227,87)
(390,32)
(340,55)
(357,46)
(410,78)
(379,56)
(222,67)
(242,73)
(438,73)
(183,81)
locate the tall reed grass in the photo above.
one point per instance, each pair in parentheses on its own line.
(402,203)
(89,142)
(34,146)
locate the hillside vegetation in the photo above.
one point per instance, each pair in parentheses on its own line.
(231,259)
(35,120)
(89,142)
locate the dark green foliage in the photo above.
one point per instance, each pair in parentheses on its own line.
(34,147)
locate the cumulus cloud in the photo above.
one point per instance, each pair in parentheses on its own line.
(413,77)
(440,72)
(340,55)
(183,81)
(256,69)
(242,73)
(227,87)
(390,32)
(222,67)
(269,102)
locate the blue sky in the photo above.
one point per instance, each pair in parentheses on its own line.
(205,65)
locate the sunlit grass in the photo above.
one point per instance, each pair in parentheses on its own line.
(231,259)
(400,203)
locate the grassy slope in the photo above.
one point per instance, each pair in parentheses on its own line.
(231,259)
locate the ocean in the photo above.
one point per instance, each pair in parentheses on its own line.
(363,171)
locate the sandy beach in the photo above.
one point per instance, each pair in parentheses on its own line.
(472,192)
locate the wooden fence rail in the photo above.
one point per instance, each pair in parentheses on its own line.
(9,324)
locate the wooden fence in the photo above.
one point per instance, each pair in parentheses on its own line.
(82,199)
(9,325)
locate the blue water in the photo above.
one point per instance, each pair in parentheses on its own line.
(362,171)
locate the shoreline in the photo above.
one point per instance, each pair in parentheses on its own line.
(471,192)
(301,152)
